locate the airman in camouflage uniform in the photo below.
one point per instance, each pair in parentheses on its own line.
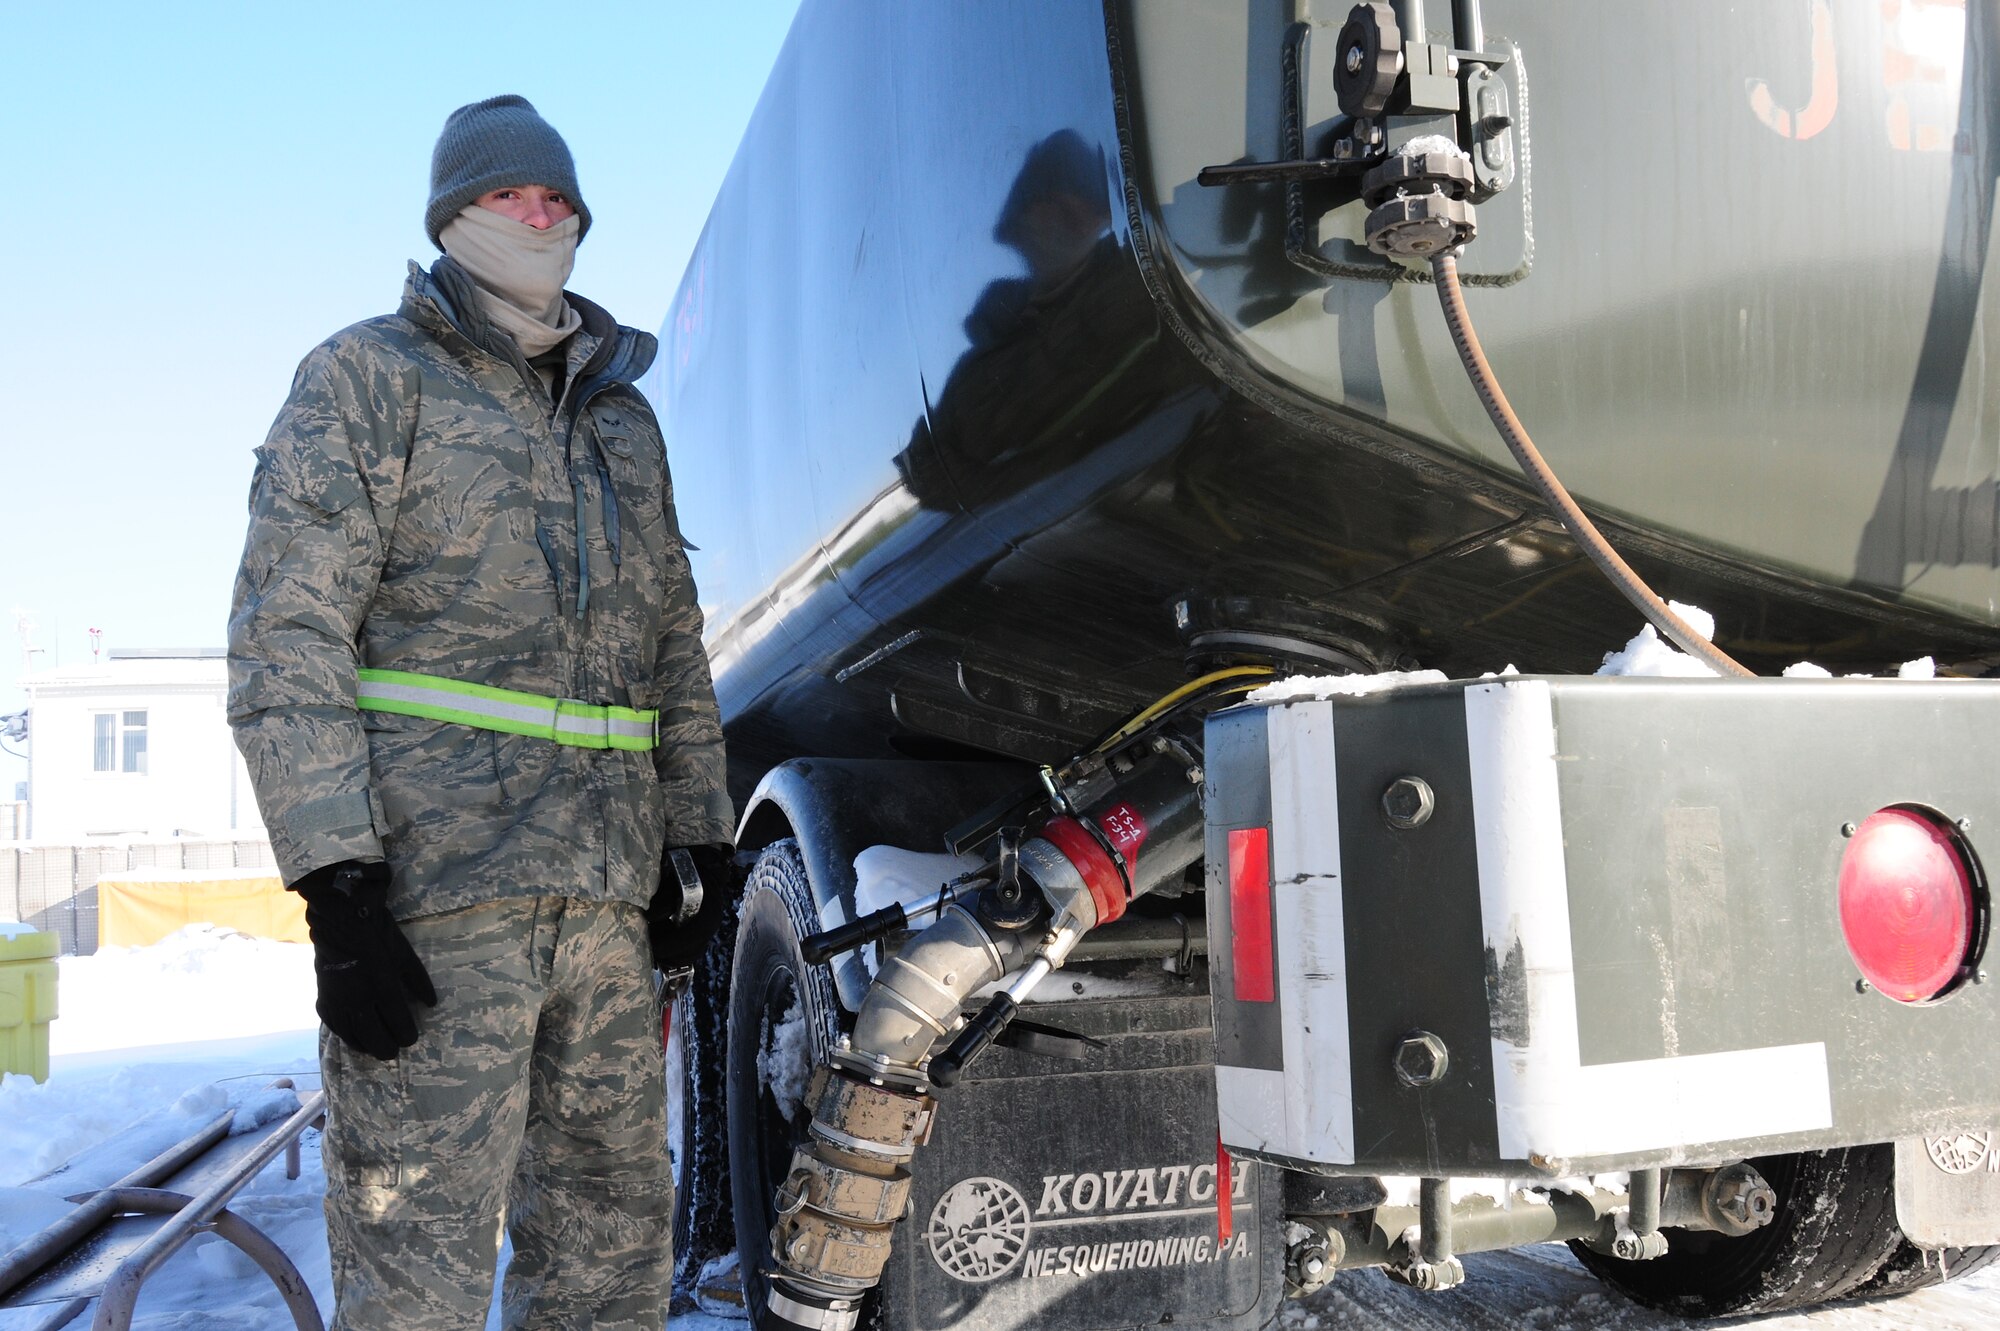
(430,502)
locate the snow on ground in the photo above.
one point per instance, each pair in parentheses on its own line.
(150,1044)
(153,1042)
(1544,1289)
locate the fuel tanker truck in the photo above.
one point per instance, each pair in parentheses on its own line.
(1163,476)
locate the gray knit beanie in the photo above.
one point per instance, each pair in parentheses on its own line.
(490,145)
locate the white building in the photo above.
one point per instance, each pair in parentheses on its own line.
(136,744)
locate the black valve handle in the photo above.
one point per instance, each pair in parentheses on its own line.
(982,1030)
(816,948)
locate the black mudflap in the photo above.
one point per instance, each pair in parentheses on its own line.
(1081,1196)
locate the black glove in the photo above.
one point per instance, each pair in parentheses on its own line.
(677,946)
(368,972)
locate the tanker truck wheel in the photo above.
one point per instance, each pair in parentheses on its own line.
(703,1227)
(783,1022)
(1834,1228)
(1911,1268)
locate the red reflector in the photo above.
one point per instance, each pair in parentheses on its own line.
(1250,914)
(1225,1195)
(1907,905)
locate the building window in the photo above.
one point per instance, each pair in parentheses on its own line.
(118,742)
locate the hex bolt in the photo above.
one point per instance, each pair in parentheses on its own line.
(1421,1060)
(1355,57)
(1408,803)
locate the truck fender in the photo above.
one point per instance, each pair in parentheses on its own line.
(837,808)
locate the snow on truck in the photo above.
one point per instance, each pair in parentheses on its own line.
(1126,444)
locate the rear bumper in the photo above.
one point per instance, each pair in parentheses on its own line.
(1618,919)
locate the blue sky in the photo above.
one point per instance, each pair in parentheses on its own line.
(202,191)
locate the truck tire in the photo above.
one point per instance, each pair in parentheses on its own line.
(1911,1268)
(772,988)
(1835,1226)
(704,1226)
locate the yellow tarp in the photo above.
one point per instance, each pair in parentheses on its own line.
(143,906)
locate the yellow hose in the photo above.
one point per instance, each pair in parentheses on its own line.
(1139,722)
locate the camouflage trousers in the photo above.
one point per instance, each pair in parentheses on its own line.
(533,1097)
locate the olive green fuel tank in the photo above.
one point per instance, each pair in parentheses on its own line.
(990,420)
(1737,286)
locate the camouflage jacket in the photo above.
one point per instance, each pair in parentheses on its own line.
(422,505)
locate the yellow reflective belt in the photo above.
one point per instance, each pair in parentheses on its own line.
(564,720)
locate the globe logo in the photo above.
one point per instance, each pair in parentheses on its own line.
(1960,1153)
(978,1230)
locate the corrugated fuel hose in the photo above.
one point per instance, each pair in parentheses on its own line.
(1444,267)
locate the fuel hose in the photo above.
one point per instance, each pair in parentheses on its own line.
(1444,267)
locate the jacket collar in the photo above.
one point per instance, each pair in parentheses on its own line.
(441,302)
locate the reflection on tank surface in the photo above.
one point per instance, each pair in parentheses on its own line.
(1919,523)
(1038,386)
(991,422)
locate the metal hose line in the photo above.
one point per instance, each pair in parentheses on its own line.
(1677,630)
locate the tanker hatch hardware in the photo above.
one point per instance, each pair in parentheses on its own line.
(1420,198)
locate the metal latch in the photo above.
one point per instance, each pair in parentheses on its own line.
(1391,84)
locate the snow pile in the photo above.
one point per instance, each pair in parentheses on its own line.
(200,982)
(1923,667)
(25,1212)
(785,1063)
(1651,655)
(1432,143)
(1307,687)
(124,1116)
(888,876)
(254,1109)
(718,1290)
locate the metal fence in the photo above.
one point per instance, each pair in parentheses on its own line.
(54,888)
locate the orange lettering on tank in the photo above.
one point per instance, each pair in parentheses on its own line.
(1824,96)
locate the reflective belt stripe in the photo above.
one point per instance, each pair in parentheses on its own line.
(564,720)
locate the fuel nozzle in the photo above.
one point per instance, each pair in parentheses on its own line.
(1141,828)
(949,1064)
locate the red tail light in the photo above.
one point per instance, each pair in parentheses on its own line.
(1250,914)
(1912,906)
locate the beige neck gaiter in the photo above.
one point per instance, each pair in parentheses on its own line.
(520,273)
